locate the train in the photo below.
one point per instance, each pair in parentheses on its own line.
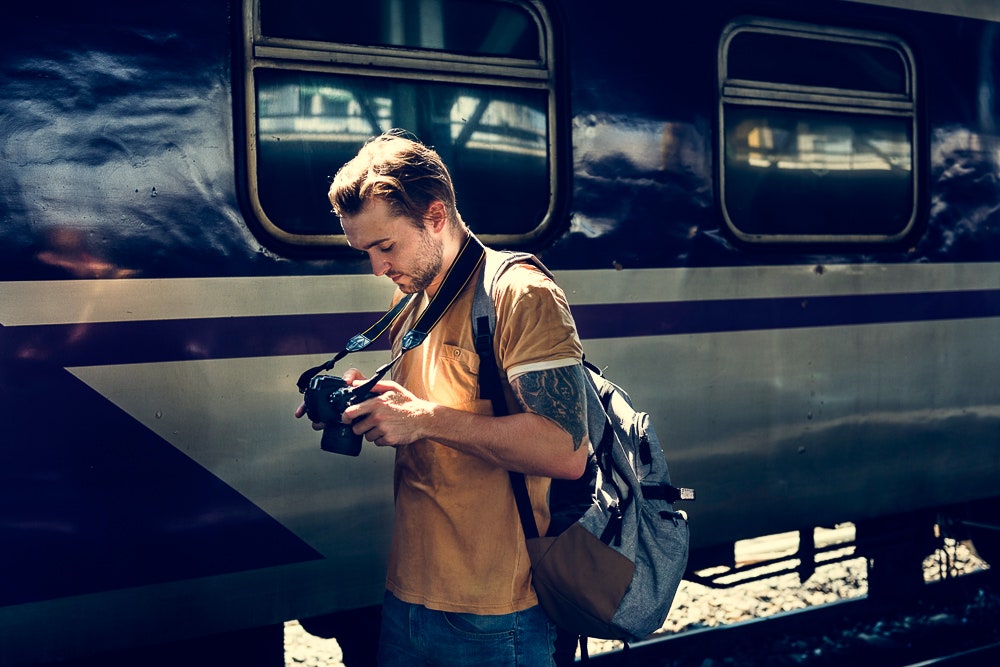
(777,224)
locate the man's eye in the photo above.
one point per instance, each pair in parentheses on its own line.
(386,248)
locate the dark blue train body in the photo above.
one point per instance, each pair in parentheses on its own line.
(778,224)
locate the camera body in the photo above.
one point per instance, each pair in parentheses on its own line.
(326,398)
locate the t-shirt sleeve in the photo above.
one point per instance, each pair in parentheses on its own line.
(535,330)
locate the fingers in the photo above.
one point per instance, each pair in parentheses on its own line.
(300,412)
(353,375)
(380,419)
(379,439)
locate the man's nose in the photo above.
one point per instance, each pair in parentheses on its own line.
(379,266)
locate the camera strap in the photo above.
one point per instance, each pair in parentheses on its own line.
(458,276)
(357,342)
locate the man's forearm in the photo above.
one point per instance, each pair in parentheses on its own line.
(524,442)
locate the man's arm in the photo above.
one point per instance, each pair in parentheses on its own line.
(548,439)
(559,396)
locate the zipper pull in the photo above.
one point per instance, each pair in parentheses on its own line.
(612,534)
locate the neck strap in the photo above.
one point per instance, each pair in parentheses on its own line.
(458,276)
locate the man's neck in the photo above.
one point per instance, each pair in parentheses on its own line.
(452,247)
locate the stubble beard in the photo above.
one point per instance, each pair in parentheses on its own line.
(430,257)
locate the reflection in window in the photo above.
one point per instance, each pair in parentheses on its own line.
(494,140)
(500,125)
(295,110)
(800,172)
(817,134)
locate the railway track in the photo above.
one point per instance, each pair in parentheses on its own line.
(978,657)
(787,618)
(952,622)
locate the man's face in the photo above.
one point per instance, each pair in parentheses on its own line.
(411,257)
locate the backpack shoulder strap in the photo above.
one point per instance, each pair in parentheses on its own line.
(484,318)
(482,305)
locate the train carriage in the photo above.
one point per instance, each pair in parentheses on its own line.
(777,224)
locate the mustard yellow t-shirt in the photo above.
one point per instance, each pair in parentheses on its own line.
(457,541)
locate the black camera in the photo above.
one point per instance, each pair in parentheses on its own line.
(326,398)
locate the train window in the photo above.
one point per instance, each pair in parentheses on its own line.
(456,26)
(817,137)
(473,78)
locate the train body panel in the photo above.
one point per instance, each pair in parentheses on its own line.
(156,310)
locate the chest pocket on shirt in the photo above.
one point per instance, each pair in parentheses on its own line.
(453,376)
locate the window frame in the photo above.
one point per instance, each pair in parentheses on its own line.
(403,64)
(744,93)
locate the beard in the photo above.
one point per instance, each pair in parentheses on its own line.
(427,265)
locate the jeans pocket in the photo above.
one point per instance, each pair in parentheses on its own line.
(481,626)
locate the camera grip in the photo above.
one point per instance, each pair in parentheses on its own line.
(340,439)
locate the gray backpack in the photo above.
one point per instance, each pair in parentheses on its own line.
(616,549)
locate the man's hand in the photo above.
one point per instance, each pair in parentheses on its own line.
(353,377)
(394,417)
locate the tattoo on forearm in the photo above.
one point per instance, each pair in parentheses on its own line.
(558,395)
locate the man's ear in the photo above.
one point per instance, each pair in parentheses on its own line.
(437,216)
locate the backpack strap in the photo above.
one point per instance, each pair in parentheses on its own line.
(483,326)
(484,317)
(484,313)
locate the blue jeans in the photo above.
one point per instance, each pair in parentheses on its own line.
(414,636)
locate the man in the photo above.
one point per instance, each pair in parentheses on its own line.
(458,584)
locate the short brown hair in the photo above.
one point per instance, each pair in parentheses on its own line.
(406,174)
